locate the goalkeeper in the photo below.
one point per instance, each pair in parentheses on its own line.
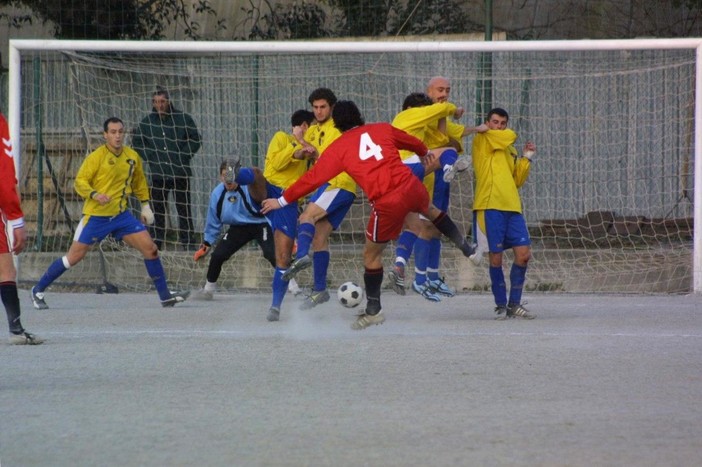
(234,202)
(106,179)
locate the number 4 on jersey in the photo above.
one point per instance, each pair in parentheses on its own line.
(367,148)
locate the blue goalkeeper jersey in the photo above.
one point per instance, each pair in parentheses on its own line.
(230,208)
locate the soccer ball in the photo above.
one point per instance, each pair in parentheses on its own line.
(350,294)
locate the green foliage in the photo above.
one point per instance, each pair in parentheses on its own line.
(117,19)
(285,21)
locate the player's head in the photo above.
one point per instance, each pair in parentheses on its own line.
(161,101)
(300,117)
(346,116)
(322,101)
(497,119)
(114,133)
(438,89)
(416,99)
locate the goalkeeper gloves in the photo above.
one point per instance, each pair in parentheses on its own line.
(147,215)
(202,251)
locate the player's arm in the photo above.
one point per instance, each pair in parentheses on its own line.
(404,140)
(213,223)
(522,167)
(83,183)
(282,152)
(322,171)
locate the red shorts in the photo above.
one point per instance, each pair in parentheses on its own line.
(4,241)
(389,211)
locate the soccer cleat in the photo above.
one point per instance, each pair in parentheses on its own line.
(461,165)
(301,263)
(518,311)
(273,314)
(38,300)
(176,297)
(397,281)
(440,287)
(364,320)
(425,291)
(203,295)
(232,170)
(25,338)
(501,311)
(315,298)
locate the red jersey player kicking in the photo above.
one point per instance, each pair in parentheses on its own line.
(369,154)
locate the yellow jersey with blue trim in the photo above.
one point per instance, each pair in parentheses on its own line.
(499,173)
(280,167)
(115,175)
(321,135)
(422,122)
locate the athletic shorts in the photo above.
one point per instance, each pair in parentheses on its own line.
(442,191)
(503,229)
(389,211)
(285,218)
(336,202)
(415,165)
(93,229)
(5,235)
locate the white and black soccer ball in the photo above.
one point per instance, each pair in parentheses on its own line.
(350,294)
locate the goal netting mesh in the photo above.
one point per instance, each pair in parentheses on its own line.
(608,201)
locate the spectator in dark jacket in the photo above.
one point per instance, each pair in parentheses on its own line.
(167,139)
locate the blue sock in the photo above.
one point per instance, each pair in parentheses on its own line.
(279,287)
(305,234)
(404,246)
(434,259)
(499,289)
(320,261)
(158,275)
(421,258)
(448,157)
(52,273)
(516,283)
(246,176)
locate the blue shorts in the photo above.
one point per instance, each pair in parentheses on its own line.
(285,218)
(415,165)
(503,229)
(442,191)
(336,202)
(93,229)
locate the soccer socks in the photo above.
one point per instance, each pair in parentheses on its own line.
(373,279)
(404,247)
(279,287)
(434,259)
(305,234)
(155,270)
(320,263)
(499,289)
(447,227)
(421,258)
(245,176)
(516,283)
(448,157)
(8,293)
(54,271)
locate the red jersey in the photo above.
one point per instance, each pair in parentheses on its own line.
(9,201)
(369,154)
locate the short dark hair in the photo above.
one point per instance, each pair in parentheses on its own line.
(346,116)
(111,120)
(161,92)
(498,111)
(416,99)
(301,116)
(323,94)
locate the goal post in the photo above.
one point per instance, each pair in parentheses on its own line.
(608,203)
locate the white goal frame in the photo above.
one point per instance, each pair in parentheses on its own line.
(16,47)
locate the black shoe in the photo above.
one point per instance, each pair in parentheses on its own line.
(176,297)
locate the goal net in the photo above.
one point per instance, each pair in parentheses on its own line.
(609,202)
